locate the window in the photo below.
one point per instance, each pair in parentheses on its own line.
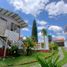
(13,27)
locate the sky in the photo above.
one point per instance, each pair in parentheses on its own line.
(49,14)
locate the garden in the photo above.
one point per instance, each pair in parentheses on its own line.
(29,57)
(37,59)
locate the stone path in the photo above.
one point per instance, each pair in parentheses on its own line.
(65,65)
(60,54)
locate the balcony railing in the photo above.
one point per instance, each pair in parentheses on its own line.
(11,35)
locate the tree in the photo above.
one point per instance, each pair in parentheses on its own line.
(44,32)
(34,32)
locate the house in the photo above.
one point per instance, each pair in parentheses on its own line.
(59,41)
(10,24)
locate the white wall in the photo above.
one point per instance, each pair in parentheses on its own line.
(65,40)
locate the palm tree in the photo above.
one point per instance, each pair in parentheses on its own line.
(44,32)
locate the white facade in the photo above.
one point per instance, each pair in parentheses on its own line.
(65,40)
(46,43)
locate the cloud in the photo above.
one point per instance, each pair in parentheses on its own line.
(57,29)
(56,8)
(40,27)
(26,21)
(41,22)
(53,36)
(39,33)
(30,26)
(25,29)
(24,38)
(29,6)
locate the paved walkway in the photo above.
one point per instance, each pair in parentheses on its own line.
(65,65)
(60,54)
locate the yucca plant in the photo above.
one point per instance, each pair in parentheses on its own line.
(49,62)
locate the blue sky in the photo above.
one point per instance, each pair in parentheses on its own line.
(49,14)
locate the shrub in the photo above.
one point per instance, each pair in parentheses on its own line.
(29,44)
(42,45)
(53,46)
(14,50)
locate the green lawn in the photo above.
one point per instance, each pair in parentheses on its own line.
(22,59)
(15,62)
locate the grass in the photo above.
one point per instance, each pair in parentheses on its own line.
(22,59)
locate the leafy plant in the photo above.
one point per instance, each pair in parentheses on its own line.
(53,46)
(49,62)
(44,31)
(14,50)
(42,45)
(29,45)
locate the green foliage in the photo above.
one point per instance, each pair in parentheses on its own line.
(44,31)
(29,45)
(14,50)
(34,32)
(42,45)
(50,62)
(50,38)
(53,46)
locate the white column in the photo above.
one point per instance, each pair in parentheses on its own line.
(46,43)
